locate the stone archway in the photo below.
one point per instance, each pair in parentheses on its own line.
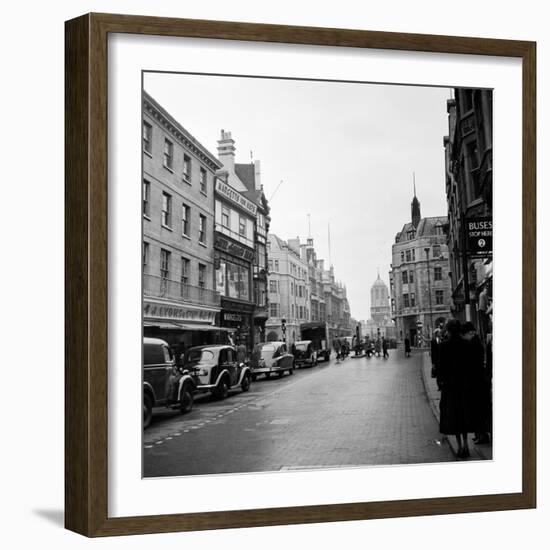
(272,336)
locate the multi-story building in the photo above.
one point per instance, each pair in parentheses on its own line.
(420,285)
(289,291)
(245,180)
(469,188)
(380,323)
(336,311)
(178,222)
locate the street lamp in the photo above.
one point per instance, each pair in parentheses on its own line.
(427,249)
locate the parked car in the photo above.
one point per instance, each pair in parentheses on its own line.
(164,385)
(215,369)
(318,333)
(270,358)
(304,354)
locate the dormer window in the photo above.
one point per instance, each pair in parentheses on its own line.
(410,234)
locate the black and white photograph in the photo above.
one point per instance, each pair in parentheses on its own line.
(317,274)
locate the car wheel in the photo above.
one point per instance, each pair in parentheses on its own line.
(147,410)
(245,385)
(291,371)
(223,389)
(268,375)
(254,377)
(186,398)
(281,373)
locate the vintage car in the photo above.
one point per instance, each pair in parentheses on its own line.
(270,358)
(164,385)
(215,369)
(304,354)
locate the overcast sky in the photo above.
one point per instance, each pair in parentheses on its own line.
(345,153)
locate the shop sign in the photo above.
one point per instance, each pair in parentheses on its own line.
(171,312)
(235,249)
(479,236)
(234,196)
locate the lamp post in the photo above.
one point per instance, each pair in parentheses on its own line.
(427,250)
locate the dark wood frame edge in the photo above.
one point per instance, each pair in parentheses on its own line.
(86,274)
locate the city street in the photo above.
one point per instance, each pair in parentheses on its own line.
(358,412)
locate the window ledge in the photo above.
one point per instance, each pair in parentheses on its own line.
(150,155)
(186,236)
(168,168)
(146,217)
(203,193)
(166,227)
(203,244)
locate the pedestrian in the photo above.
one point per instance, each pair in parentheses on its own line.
(337,348)
(407,347)
(377,347)
(435,351)
(385,347)
(480,384)
(366,345)
(457,405)
(241,353)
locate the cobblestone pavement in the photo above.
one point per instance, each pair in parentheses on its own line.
(358,412)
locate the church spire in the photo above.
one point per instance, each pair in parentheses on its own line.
(415,207)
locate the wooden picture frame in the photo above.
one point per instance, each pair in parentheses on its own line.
(86,280)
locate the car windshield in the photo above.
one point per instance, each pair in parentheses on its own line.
(198,356)
(302,346)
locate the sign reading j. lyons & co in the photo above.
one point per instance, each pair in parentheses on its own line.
(156,310)
(479,234)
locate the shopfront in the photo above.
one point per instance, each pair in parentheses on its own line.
(238,317)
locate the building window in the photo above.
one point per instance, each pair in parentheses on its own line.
(147,137)
(166,214)
(411,277)
(184,278)
(202,275)
(238,281)
(437,274)
(187,168)
(412,299)
(270,265)
(203,181)
(202,229)
(402,256)
(405,276)
(413,255)
(225,217)
(273,310)
(242,226)
(146,197)
(292,311)
(408,255)
(164,269)
(168,153)
(273,287)
(410,235)
(184,271)
(406,300)
(439,297)
(276,265)
(145,254)
(436,250)
(185,220)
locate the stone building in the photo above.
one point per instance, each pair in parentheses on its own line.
(179,298)
(246,179)
(469,188)
(289,290)
(420,285)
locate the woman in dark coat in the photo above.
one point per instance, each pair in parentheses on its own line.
(458,403)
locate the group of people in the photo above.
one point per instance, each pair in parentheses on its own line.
(462,367)
(370,347)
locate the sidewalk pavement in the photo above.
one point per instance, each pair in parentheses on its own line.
(478,452)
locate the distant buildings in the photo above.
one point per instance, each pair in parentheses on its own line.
(469,188)
(419,279)
(380,323)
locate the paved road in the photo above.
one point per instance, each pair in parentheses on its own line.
(358,412)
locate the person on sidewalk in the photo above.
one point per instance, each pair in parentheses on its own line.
(457,409)
(480,383)
(337,348)
(435,351)
(407,347)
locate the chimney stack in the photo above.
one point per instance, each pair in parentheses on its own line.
(226,151)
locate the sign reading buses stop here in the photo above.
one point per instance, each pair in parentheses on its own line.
(479,234)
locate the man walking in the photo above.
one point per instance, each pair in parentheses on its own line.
(384,347)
